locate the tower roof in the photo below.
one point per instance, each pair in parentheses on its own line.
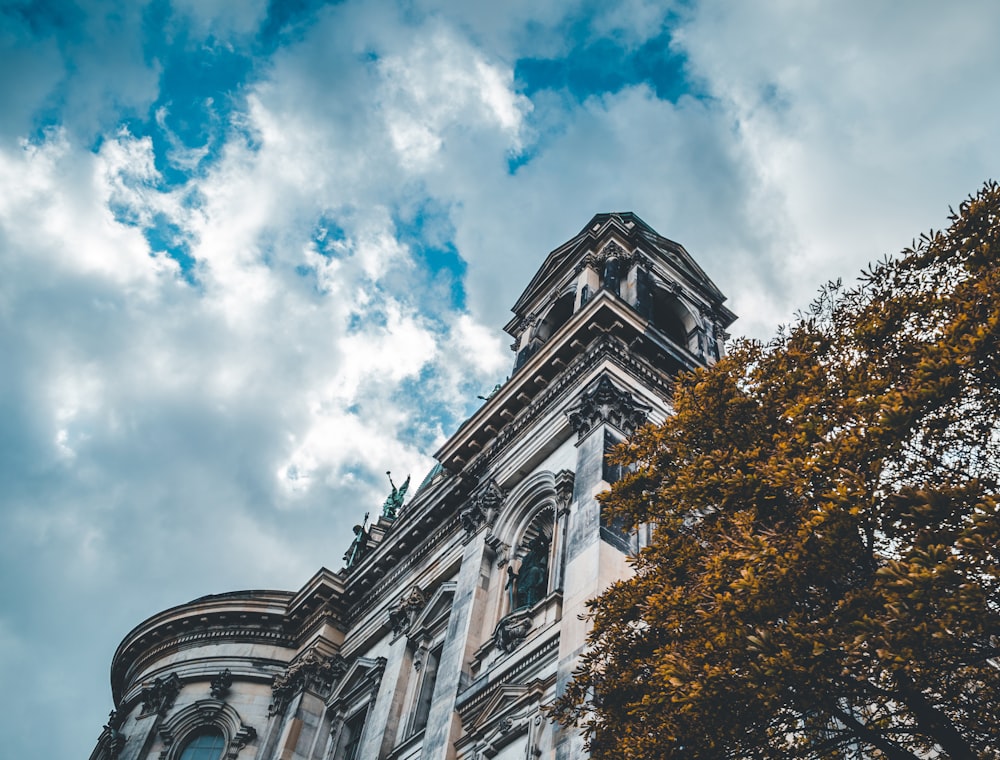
(629,229)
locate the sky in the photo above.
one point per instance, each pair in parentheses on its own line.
(255,254)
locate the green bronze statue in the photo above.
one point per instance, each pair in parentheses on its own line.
(394,500)
(533,576)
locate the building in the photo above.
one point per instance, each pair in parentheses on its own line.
(457,615)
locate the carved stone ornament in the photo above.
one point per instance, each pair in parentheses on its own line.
(242,738)
(564,491)
(484,507)
(311,671)
(403,615)
(607,403)
(611,251)
(116,741)
(501,550)
(159,696)
(222,683)
(511,631)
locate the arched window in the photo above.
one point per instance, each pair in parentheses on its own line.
(673,319)
(207,744)
(557,316)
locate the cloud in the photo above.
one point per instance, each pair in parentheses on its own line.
(860,123)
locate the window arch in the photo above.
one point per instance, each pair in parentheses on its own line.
(557,316)
(211,718)
(674,320)
(207,743)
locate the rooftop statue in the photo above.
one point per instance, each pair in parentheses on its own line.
(394,500)
(359,545)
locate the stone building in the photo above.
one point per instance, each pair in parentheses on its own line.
(457,615)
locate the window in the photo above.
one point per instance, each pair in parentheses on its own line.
(207,744)
(613,530)
(428,677)
(353,729)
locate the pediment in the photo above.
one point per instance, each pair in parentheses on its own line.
(437,607)
(362,676)
(506,700)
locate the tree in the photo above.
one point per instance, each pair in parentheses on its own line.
(823,580)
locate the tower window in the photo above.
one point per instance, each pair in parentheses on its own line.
(207,744)
(668,316)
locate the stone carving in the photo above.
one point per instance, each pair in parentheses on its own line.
(394,501)
(403,615)
(472,519)
(607,403)
(159,696)
(512,630)
(116,741)
(564,491)
(311,671)
(222,683)
(244,736)
(484,506)
(500,549)
(611,250)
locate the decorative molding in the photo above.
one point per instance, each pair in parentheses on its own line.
(606,403)
(205,712)
(358,684)
(605,346)
(402,616)
(241,738)
(142,654)
(564,491)
(501,550)
(159,696)
(512,630)
(313,671)
(221,684)
(116,740)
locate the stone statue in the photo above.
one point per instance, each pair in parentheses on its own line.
(395,499)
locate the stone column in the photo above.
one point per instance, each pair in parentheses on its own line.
(382,721)
(443,724)
(582,573)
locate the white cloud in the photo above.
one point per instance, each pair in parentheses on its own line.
(440,87)
(862,123)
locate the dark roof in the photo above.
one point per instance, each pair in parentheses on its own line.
(632,229)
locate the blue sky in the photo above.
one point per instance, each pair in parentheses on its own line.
(252,255)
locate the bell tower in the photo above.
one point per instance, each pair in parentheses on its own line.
(457,614)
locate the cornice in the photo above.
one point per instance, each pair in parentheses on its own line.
(383,555)
(477,694)
(245,617)
(620,335)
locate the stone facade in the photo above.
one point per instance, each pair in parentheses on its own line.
(460,616)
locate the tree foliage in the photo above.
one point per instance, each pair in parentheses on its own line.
(823,580)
